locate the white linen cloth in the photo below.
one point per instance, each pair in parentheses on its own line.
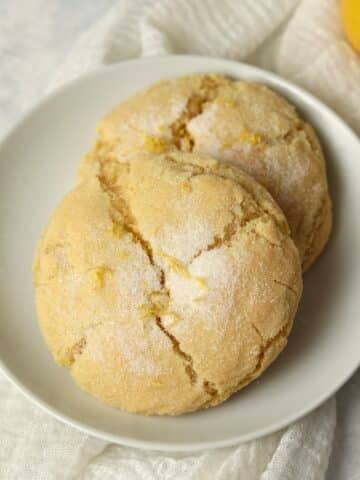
(301,40)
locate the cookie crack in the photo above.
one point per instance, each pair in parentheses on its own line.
(285,285)
(77,349)
(281,225)
(187,359)
(229,232)
(79,346)
(257,331)
(199,170)
(264,347)
(282,333)
(289,135)
(243,222)
(208,386)
(181,137)
(292,133)
(119,203)
(157,307)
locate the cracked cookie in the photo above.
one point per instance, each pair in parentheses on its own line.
(242,123)
(167,283)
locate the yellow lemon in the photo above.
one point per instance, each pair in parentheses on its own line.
(350,13)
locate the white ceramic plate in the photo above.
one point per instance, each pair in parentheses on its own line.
(38,161)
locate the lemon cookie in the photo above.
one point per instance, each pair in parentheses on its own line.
(242,123)
(167,283)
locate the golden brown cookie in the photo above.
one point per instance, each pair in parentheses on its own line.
(245,124)
(167,283)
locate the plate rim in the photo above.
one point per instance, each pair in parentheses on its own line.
(157,445)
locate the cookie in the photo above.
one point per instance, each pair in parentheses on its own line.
(244,124)
(167,283)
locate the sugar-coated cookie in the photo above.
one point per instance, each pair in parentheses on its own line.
(167,283)
(242,123)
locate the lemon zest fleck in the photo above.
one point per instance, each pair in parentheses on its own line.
(171,318)
(227,101)
(156,306)
(155,230)
(179,268)
(201,282)
(123,254)
(156,383)
(250,137)
(186,186)
(117,229)
(147,310)
(154,144)
(98,275)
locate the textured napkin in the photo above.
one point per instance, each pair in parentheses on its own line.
(301,40)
